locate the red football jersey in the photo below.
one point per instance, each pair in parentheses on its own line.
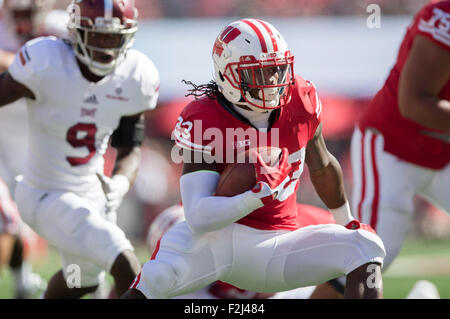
(406,139)
(210,126)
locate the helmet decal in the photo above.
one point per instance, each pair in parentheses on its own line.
(229,34)
(253,65)
(259,34)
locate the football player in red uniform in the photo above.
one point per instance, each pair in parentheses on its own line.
(400,147)
(253,240)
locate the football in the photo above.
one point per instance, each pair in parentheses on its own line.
(239,177)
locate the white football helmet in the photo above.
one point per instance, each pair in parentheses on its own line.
(112,22)
(252,65)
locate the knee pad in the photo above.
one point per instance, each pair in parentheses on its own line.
(371,246)
(360,247)
(161,278)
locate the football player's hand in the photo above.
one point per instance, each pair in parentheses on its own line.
(355,224)
(114,188)
(270,180)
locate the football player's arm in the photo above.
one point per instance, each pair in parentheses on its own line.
(6,58)
(11,90)
(425,73)
(127,139)
(327,178)
(205,212)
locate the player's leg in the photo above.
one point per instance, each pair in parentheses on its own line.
(124,269)
(184,263)
(6,247)
(364,282)
(437,191)
(83,235)
(382,196)
(59,289)
(12,252)
(384,190)
(311,255)
(26,282)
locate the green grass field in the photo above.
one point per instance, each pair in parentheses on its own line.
(419,259)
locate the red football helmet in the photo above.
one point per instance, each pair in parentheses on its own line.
(252,65)
(101,32)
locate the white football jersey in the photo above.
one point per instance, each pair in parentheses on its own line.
(72,119)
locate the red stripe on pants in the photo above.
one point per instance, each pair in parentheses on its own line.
(363,177)
(376,194)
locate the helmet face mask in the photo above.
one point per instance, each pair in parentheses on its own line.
(264,83)
(250,72)
(101,38)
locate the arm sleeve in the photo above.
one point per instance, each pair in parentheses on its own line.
(150,83)
(316,117)
(30,63)
(205,212)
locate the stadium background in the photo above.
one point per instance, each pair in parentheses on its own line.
(333,47)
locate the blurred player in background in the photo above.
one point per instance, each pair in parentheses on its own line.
(23,20)
(400,147)
(80,93)
(13,250)
(20,21)
(253,240)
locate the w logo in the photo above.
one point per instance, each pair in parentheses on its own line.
(228,35)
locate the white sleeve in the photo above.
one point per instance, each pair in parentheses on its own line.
(30,63)
(205,212)
(149,81)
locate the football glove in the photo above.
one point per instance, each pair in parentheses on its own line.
(114,188)
(270,180)
(355,224)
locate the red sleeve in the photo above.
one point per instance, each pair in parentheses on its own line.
(316,116)
(434,23)
(191,131)
(311,105)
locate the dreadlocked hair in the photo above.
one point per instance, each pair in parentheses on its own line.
(211,90)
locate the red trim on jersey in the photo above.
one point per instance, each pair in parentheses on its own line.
(22,58)
(272,37)
(155,252)
(136,281)
(363,177)
(376,195)
(259,34)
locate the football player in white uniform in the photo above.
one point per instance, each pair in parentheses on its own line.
(80,93)
(20,21)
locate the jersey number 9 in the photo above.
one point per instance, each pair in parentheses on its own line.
(88,141)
